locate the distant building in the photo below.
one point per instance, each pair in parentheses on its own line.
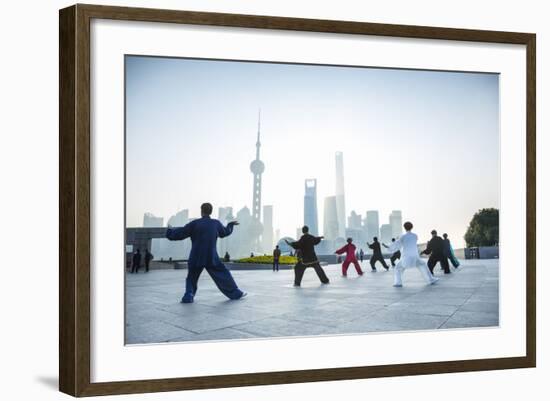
(180,219)
(396,222)
(150,220)
(284,247)
(243,240)
(385,233)
(356,234)
(223,213)
(267,236)
(330,220)
(325,247)
(354,221)
(277,235)
(340,195)
(310,206)
(373,224)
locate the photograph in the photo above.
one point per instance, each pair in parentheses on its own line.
(269,200)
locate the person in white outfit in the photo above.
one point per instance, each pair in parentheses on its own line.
(408,245)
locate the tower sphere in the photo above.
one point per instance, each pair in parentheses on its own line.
(257,167)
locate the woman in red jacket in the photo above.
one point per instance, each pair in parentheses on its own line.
(349,250)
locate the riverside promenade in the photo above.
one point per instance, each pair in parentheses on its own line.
(467,298)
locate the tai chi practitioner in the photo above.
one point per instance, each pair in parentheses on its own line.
(408,245)
(204,233)
(436,249)
(395,255)
(376,255)
(449,251)
(305,248)
(351,257)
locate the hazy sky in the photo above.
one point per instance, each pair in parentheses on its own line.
(423,142)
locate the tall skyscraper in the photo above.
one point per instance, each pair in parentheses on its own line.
(257,168)
(330,219)
(150,220)
(340,197)
(373,224)
(385,233)
(310,206)
(396,222)
(267,236)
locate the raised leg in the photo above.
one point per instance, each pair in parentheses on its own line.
(320,273)
(224,281)
(357,267)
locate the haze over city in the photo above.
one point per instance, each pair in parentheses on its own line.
(423,142)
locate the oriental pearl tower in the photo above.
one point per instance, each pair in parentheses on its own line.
(257,168)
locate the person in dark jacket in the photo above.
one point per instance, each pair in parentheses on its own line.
(395,255)
(449,251)
(204,233)
(147,259)
(276,256)
(436,249)
(136,261)
(376,255)
(305,245)
(226,257)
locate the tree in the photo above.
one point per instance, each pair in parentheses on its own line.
(483,229)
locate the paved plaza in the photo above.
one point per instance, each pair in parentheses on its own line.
(468,297)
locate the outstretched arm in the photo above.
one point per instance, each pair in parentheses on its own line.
(295,244)
(317,240)
(225,231)
(179,233)
(341,250)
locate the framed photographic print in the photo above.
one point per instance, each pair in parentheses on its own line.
(249,200)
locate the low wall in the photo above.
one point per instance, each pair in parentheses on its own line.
(483,252)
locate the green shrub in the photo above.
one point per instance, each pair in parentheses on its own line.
(268,260)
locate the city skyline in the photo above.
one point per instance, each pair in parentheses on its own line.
(389,165)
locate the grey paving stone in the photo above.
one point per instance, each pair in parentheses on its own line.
(274,308)
(471,319)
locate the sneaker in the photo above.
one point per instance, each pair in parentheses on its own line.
(186,300)
(398,285)
(296,285)
(242,296)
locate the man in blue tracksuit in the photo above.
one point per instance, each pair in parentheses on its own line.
(204,233)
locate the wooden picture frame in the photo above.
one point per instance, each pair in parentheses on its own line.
(75,208)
